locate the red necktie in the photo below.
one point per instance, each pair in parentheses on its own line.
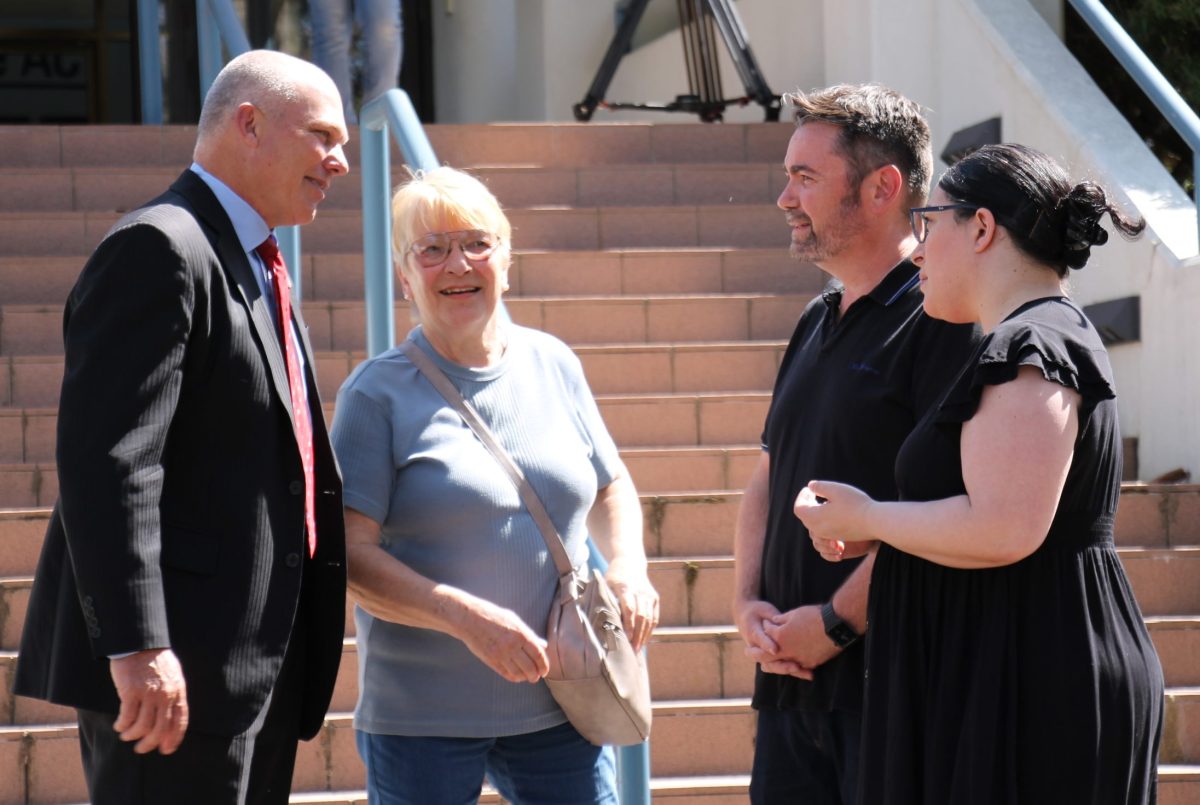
(268,250)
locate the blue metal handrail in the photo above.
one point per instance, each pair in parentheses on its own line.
(1169,102)
(217,28)
(395,108)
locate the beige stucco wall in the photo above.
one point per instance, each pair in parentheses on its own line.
(965,60)
(514,60)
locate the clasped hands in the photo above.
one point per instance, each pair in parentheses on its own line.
(794,642)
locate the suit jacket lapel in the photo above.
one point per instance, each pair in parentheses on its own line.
(241,272)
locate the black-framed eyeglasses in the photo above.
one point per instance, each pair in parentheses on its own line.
(434,249)
(920,223)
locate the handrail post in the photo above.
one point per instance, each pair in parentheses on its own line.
(377,237)
(232,32)
(149,62)
(633,762)
(208,47)
(288,238)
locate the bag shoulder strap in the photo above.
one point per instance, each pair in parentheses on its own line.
(528,494)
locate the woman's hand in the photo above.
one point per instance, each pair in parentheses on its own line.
(615,523)
(392,591)
(638,600)
(503,642)
(836,518)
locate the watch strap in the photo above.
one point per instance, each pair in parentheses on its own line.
(837,629)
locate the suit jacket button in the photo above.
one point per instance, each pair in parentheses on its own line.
(292,560)
(94,631)
(87,601)
(296,487)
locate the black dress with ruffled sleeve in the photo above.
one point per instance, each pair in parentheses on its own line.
(1030,683)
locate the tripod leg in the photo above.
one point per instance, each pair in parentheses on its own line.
(608,67)
(734,33)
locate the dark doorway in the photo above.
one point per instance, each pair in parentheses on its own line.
(68,61)
(416,71)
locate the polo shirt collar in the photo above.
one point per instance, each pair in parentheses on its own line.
(889,290)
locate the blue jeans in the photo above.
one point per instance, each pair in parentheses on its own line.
(333,34)
(555,766)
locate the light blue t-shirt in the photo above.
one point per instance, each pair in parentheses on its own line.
(450,513)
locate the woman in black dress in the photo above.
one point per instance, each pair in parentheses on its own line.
(1007,661)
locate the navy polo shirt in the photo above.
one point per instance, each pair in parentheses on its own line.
(849,391)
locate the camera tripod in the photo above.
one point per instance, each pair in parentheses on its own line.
(696,24)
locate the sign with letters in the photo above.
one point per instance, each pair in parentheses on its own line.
(45,85)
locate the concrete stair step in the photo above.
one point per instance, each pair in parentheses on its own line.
(37,329)
(1159,515)
(34,381)
(713,789)
(119,188)
(696,470)
(684,663)
(1178,784)
(27,486)
(464,146)
(329,763)
(546,227)
(688,523)
(1181,727)
(1177,641)
(653,469)
(696,591)
(669,470)
(339,276)
(645,420)
(27,435)
(1166,582)
(49,754)
(679,524)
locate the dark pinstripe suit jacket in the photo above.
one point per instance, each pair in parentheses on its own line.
(180,520)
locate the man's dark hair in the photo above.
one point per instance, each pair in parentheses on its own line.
(879,127)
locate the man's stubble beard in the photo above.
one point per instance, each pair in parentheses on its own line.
(836,236)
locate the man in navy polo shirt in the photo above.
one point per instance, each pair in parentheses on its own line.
(862,366)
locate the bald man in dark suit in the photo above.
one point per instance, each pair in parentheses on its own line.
(189,601)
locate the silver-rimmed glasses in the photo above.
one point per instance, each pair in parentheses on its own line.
(434,249)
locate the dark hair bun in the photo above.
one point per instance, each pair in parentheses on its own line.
(1032,197)
(1081,210)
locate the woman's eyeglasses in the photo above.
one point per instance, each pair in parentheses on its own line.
(919,220)
(434,249)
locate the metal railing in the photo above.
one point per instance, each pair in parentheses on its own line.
(1151,80)
(395,109)
(217,29)
(392,107)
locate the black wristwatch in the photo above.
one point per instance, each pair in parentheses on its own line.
(837,629)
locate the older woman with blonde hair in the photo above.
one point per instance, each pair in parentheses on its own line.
(451,575)
(1007,660)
